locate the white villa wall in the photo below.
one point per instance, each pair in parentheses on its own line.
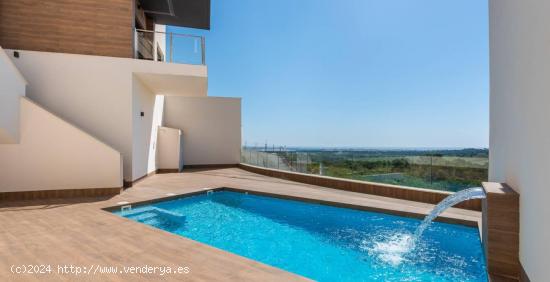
(53,155)
(160,40)
(170,151)
(95,92)
(520,120)
(211,128)
(12,88)
(158,113)
(178,85)
(91,92)
(143,101)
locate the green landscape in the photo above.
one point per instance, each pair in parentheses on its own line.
(440,169)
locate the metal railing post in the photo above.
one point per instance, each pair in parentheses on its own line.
(203,59)
(307,162)
(431,171)
(136,35)
(171,48)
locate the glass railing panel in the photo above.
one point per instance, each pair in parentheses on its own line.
(185,49)
(446,173)
(456,173)
(169,47)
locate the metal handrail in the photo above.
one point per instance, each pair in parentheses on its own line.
(171,47)
(178,34)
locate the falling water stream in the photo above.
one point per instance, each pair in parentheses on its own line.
(449,201)
(395,249)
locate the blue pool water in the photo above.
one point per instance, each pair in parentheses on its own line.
(320,242)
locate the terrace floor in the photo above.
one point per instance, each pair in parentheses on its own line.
(78,232)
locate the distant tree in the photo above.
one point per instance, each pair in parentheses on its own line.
(400,163)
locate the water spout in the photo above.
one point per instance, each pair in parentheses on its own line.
(396,248)
(460,196)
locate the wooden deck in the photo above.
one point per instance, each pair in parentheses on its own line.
(79,233)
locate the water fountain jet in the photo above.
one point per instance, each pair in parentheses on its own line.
(396,249)
(449,201)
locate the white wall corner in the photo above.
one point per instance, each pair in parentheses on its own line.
(211,128)
(12,87)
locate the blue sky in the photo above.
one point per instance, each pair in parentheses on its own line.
(359,73)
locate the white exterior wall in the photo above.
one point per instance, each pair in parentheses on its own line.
(211,128)
(96,93)
(520,120)
(160,40)
(169,148)
(53,155)
(158,112)
(143,101)
(12,88)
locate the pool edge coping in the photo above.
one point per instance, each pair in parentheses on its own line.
(407,214)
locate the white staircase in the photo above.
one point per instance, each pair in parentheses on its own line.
(40,151)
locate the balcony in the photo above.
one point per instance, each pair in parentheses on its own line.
(169,47)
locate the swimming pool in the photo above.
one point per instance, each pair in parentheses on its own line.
(321,242)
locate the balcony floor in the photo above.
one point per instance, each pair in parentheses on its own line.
(79,232)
